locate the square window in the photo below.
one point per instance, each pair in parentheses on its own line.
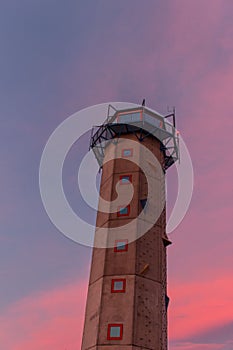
(118,285)
(127,152)
(123,211)
(125,179)
(121,245)
(115,331)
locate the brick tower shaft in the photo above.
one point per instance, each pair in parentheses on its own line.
(126,304)
(127,296)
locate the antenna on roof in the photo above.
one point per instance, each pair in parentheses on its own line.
(171,109)
(144,102)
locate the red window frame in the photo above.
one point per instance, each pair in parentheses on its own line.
(118,290)
(116,250)
(127,149)
(123,176)
(109,331)
(122,207)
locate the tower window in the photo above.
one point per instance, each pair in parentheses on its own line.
(123,211)
(118,285)
(143,202)
(127,152)
(115,331)
(125,179)
(121,245)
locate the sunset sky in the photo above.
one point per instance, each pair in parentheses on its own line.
(58,57)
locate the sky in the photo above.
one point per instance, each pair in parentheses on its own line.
(58,57)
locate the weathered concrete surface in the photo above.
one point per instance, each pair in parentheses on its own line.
(141,309)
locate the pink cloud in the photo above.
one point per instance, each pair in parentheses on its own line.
(191,346)
(48,320)
(199,306)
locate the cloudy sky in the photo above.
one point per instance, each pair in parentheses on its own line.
(58,57)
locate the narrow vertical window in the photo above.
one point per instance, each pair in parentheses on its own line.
(143,202)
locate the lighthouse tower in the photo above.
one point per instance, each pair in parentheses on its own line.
(127,297)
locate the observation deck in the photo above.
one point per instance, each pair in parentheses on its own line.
(142,122)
